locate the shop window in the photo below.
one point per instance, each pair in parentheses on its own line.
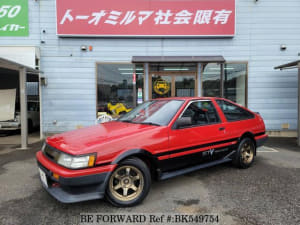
(115,88)
(211,80)
(234,81)
(233,112)
(235,78)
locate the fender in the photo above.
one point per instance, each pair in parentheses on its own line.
(136,152)
(246,134)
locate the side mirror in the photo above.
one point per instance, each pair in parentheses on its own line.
(183,122)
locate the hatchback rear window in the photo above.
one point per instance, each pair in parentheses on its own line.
(233,112)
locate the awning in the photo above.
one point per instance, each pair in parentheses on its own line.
(176,59)
(8,64)
(290,65)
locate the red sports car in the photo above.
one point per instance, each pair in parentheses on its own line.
(159,139)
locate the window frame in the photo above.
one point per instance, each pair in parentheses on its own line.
(241,107)
(198,125)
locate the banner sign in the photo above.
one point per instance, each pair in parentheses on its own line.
(146,18)
(14,18)
(140,96)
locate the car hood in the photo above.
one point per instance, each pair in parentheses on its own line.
(85,140)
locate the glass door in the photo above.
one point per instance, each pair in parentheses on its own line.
(172,80)
(185,86)
(161,86)
(174,85)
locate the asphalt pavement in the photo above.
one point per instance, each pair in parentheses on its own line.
(266,193)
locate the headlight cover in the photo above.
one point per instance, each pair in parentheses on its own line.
(76,162)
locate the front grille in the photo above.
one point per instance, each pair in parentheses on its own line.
(51,153)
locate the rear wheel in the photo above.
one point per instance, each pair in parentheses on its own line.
(245,153)
(129,183)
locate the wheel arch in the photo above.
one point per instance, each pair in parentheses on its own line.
(144,155)
(250,135)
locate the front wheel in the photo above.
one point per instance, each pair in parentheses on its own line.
(129,183)
(245,154)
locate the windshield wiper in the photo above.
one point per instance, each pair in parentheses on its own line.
(150,123)
(146,123)
(125,121)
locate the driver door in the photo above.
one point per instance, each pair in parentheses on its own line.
(195,142)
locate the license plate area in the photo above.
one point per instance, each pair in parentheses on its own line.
(43,178)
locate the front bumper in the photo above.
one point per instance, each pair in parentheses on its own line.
(10,125)
(74,185)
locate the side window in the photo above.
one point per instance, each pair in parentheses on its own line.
(233,112)
(201,113)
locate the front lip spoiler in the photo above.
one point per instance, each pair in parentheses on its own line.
(65,196)
(76,189)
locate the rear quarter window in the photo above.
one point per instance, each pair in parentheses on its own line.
(233,112)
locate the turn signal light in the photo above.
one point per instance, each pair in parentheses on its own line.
(91,161)
(56,176)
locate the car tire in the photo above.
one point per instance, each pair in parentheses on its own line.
(245,154)
(129,183)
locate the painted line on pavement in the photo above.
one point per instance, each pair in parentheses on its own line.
(267,149)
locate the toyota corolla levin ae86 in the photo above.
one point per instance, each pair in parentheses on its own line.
(159,139)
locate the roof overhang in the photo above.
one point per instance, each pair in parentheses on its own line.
(11,65)
(177,59)
(291,65)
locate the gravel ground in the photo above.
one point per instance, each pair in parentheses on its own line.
(266,193)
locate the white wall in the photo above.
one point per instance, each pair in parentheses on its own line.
(24,55)
(70,97)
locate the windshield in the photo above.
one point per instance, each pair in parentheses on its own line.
(155,112)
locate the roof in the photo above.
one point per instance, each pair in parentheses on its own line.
(8,64)
(288,65)
(187,98)
(173,59)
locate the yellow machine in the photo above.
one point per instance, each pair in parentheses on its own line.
(117,108)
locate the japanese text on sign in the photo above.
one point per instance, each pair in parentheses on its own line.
(13,18)
(161,17)
(146,18)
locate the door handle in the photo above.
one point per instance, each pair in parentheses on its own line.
(221,128)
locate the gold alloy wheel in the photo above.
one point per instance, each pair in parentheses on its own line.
(247,153)
(126,183)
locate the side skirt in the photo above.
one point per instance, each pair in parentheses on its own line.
(168,175)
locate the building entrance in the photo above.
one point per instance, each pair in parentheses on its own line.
(172,80)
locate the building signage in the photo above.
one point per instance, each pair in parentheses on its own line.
(14,18)
(161,87)
(146,18)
